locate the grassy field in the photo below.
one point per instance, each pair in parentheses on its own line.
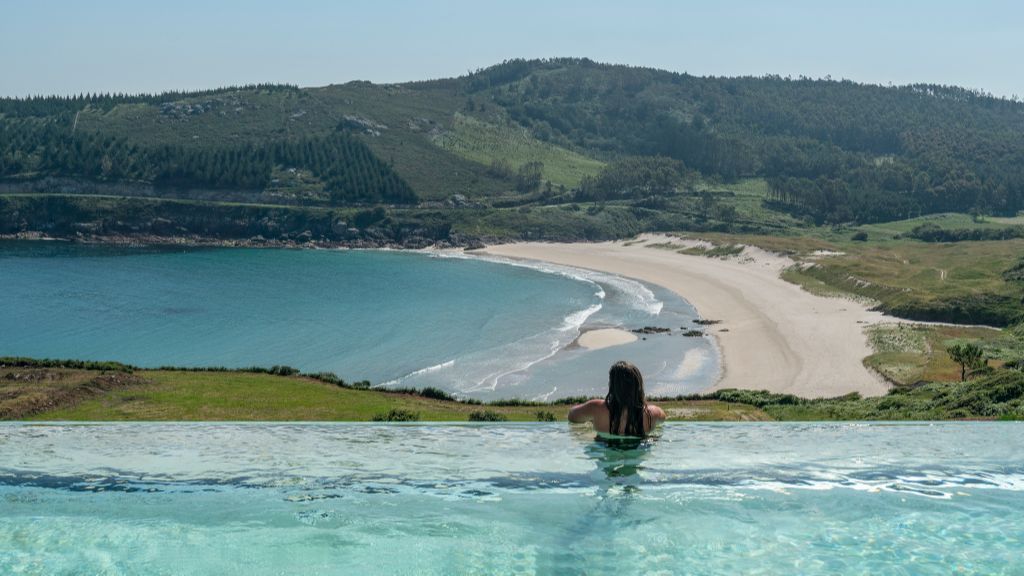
(227,396)
(958,282)
(748,197)
(998,396)
(24,392)
(485,143)
(75,394)
(947,221)
(908,354)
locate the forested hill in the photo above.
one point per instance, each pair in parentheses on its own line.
(839,150)
(546,132)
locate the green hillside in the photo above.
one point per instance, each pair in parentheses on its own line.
(492,144)
(560,149)
(830,151)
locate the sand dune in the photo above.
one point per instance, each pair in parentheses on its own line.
(773,335)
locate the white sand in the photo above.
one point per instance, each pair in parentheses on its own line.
(605,338)
(773,335)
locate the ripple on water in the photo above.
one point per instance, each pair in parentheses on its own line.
(716,498)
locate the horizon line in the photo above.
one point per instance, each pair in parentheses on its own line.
(978,92)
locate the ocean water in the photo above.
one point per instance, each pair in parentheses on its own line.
(254,499)
(476,327)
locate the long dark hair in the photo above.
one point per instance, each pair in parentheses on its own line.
(626,391)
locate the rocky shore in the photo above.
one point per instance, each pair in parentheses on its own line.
(298,242)
(146,221)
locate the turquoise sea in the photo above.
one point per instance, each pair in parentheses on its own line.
(261,499)
(476,327)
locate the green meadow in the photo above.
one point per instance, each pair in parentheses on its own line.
(53,393)
(486,143)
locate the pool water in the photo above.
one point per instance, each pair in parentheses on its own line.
(821,498)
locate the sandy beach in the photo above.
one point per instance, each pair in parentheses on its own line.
(773,335)
(605,338)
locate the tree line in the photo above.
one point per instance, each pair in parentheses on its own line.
(349,170)
(40,106)
(930,232)
(633,177)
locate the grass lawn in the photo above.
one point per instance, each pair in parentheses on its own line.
(56,394)
(229,396)
(25,392)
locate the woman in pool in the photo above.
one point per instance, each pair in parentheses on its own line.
(624,411)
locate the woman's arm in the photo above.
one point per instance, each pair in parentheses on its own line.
(584,412)
(657,414)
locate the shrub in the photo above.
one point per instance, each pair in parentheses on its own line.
(283,370)
(544,416)
(436,394)
(366,218)
(487,416)
(1015,273)
(22,362)
(931,232)
(516,402)
(1016,364)
(397,415)
(572,400)
(757,398)
(860,236)
(328,378)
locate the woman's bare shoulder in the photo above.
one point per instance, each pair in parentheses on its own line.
(586,411)
(656,411)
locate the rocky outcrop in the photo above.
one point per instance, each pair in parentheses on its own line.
(651,330)
(135,221)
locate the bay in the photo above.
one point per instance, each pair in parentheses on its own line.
(472,326)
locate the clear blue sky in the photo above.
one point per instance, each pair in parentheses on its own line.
(65,46)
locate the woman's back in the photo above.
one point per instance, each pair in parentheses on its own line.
(596,411)
(624,411)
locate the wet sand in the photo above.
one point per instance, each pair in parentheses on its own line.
(605,338)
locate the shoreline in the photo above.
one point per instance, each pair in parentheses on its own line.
(196,241)
(772,335)
(600,338)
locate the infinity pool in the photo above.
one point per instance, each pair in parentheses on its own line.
(833,498)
